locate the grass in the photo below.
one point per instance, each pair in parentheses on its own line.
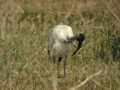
(24,31)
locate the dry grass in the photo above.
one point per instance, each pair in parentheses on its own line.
(24,29)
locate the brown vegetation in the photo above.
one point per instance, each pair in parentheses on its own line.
(24,29)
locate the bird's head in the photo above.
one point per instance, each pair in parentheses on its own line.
(80,39)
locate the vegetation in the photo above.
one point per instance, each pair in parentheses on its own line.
(24,30)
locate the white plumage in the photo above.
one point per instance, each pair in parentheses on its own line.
(58,40)
(59,43)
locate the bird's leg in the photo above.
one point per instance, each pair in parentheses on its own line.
(65,66)
(58,65)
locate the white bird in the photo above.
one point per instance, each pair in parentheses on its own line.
(59,44)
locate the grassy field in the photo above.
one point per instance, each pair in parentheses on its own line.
(24,30)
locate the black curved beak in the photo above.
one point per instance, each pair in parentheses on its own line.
(80,39)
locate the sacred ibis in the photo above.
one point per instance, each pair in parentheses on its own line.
(60,42)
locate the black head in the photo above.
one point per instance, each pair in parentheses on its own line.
(80,39)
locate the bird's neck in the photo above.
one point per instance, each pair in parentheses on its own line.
(71,39)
